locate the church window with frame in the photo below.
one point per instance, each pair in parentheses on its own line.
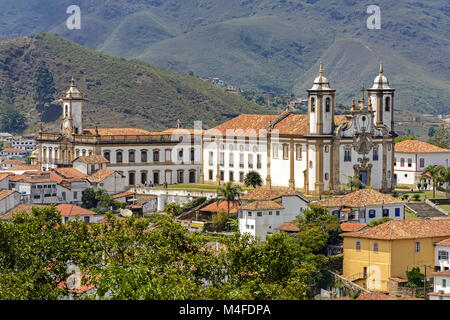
(144,156)
(119,157)
(275,151)
(347,155)
(313,104)
(131,156)
(375,154)
(106,154)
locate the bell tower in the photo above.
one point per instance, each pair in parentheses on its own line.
(382,97)
(72,113)
(321,106)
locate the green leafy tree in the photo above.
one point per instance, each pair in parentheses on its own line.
(403,138)
(441,137)
(228,193)
(34,254)
(173,208)
(354,183)
(415,278)
(43,86)
(12,120)
(253,178)
(219,220)
(445,177)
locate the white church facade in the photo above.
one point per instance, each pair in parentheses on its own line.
(314,152)
(143,157)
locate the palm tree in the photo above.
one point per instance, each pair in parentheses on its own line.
(445,177)
(435,173)
(354,181)
(253,178)
(228,193)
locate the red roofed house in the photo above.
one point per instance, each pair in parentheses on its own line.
(9,163)
(4,180)
(413,156)
(270,209)
(223,205)
(374,256)
(71,211)
(13,153)
(363,206)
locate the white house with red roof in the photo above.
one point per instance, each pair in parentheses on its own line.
(413,156)
(71,212)
(13,153)
(8,200)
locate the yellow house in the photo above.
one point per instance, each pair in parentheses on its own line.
(374,255)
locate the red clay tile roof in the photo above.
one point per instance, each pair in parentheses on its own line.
(292,124)
(4,193)
(445,242)
(261,205)
(442,273)
(417,146)
(360,198)
(100,175)
(122,194)
(405,229)
(290,226)
(269,194)
(20,208)
(92,159)
(13,161)
(439,294)
(13,150)
(24,167)
(382,296)
(118,132)
(71,210)
(352,227)
(69,174)
(3,176)
(223,205)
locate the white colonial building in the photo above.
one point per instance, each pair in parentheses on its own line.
(266,209)
(412,157)
(143,157)
(315,152)
(442,271)
(364,206)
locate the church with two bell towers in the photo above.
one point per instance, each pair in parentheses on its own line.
(314,153)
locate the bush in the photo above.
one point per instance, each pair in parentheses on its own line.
(377,222)
(173,209)
(403,187)
(416,197)
(395,194)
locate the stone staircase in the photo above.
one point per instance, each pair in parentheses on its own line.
(424,210)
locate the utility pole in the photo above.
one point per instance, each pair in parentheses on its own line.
(425,282)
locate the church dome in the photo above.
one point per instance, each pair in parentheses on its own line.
(321,82)
(381,81)
(73,91)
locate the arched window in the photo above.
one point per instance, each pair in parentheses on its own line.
(313,105)
(106,155)
(66,110)
(387,104)
(327,105)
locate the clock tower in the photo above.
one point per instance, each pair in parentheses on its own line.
(72,113)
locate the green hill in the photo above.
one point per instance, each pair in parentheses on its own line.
(120,93)
(268,45)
